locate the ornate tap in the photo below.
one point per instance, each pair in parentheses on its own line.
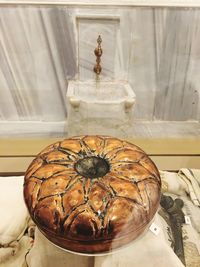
(98,53)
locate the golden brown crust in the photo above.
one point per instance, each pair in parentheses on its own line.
(92,214)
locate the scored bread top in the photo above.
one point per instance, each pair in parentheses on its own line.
(92,188)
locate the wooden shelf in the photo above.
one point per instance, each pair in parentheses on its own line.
(168,153)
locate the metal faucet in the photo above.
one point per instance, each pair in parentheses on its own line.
(98,53)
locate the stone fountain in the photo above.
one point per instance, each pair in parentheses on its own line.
(99,106)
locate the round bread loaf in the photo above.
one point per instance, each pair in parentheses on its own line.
(91,194)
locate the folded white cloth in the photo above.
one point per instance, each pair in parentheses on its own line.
(45,254)
(196,173)
(192,178)
(13,213)
(14,220)
(193,212)
(185,181)
(16,258)
(172,183)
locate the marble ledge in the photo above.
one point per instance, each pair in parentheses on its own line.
(158,3)
(139,129)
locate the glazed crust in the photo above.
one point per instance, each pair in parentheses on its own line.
(92,214)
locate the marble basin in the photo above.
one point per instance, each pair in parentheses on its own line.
(101,107)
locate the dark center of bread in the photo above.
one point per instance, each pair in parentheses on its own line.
(92,167)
